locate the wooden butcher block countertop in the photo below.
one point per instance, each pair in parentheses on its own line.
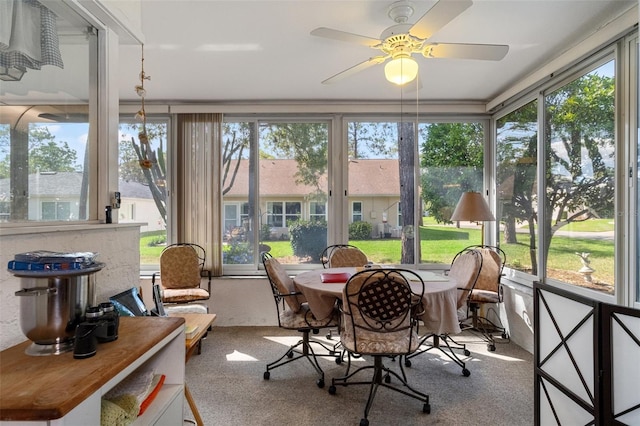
(48,387)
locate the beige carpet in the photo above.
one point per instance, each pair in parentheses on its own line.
(227,383)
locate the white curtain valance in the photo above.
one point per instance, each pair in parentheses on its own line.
(28,35)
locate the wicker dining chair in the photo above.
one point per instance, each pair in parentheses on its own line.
(181,275)
(294,314)
(379,319)
(465,269)
(487,291)
(343,255)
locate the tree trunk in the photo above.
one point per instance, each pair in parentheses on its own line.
(510,236)
(19,182)
(406,161)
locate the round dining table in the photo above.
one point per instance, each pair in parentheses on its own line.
(323,287)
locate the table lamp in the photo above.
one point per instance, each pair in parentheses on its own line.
(472,207)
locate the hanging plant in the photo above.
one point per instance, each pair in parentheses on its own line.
(152,163)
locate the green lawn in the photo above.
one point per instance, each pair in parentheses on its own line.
(440,243)
(150,254)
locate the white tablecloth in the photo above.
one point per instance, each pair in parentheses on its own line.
(439,299)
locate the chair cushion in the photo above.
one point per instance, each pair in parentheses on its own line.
(180,267)
(377,314)
(375,343)
(283,282)
(304,319)
(484,296)
(186,308)
(170,295)
(347,256)
(489,278)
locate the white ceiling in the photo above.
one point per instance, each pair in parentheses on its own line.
(216,51)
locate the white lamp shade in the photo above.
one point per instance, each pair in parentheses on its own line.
(473,208)
(401,70)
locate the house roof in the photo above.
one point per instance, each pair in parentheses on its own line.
(67,184)
(278,178)
(53,184)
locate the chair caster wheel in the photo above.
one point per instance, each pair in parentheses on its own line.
(407,363)
(332,390)
(426,408)
(364,422)
(266,375)
(467,352)
(290,354)
(315,331)
(465,372)
(387,378)
(320,383)
(329,336)
(339,360)
(505,335)
(491,347)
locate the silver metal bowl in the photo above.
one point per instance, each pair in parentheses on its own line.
(51,306)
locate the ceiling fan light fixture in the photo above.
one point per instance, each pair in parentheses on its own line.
(401,70)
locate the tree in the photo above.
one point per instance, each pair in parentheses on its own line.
(153,165)
(579,143)
(52,157)
(451,163)
(517,170)
(370,140)
(406,161)
(579,140)
(306,143)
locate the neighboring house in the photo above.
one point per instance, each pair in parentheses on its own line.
(373,196)
(53,196)
(137,205)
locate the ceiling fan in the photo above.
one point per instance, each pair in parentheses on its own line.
(400,41)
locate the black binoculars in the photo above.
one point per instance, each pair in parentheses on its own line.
(101,325)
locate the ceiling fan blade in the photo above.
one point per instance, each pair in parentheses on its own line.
(486,52)
(345,36)
(438,16)
(355,69)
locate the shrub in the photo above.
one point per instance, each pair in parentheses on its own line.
(360,230)
(157,240)
(308,238)
(265,232)
(239,254)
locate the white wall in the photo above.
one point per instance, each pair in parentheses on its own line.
(117,245)
(248,302)
(236,301)
(517,314)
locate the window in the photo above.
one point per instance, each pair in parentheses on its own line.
(356,211)
(275,215)
(380,165)
(231,217)
(278,170)
(517,180)
(47,148)
(143,189)
(56,210)
(382,172)
(579,204)
(317,211)
(451,163)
